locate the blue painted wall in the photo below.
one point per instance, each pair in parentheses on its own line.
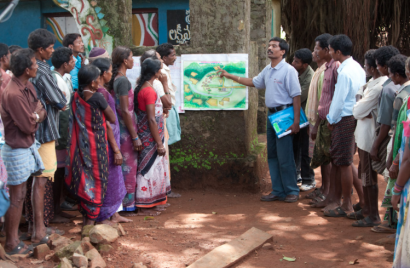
(28,16)
(162,6)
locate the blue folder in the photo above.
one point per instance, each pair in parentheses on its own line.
(282,120)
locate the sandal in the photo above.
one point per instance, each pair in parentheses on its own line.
(332,213)
(383,229)
(44,240)
(51,231)
(357,207)
(17,249)
(314,194)
(317,199)
(358,215)
(366,222)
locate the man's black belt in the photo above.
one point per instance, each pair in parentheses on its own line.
(279,108)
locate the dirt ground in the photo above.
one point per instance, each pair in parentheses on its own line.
(190,228)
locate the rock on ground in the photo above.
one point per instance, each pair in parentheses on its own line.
(86,230)
(57,242)
(65,263)
(80,260)
(96,259)
(104,249)
(139,265)
(41,251)
(67,251)
(5,264)
(103,233)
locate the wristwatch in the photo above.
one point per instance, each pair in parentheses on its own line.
(37,117)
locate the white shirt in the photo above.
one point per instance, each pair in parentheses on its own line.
(172,88)
(159,88)
(365,132)
(65,85)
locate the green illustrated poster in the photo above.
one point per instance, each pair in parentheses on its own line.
(204,89)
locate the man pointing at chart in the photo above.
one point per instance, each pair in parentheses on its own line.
(282,86)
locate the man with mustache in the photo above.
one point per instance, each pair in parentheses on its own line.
(282,91)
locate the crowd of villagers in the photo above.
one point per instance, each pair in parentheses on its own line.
(77,136)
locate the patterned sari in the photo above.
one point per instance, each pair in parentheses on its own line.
(153,182)
(87,161)
(130,157)
(401,250)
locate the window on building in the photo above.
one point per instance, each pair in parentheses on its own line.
(145,27)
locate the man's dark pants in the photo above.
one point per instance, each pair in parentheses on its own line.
(281,163)
(302,159)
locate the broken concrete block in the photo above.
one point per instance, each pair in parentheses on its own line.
(86,230)
(75,230)
(139,265)
(57,242)
(104,249)
(67,252)
(65,263)
(86,245)
(96,259)
(80,260)
(103,233)
(41,251)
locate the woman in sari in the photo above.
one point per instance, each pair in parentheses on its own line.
(123,95)
(153,176)
(115,188)
(400,192)
(87,161)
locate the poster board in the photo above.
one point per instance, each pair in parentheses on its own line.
(134,73)
(204,89)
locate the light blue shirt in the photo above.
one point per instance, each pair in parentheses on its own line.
(74,72)
(281,84)
(351,77)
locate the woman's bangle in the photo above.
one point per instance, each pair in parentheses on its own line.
(239,78)
(167,93)
(394,163)
(398,186)
(117,152)
(161,148)
(135,139)
(394,192)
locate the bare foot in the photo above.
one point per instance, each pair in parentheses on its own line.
(158,208)
(119,219)
(164,206)
(129,213)
(174,195)
(108,222)
(148,212)
(59,219)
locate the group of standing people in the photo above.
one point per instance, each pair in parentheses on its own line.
(79,133)
(349,108)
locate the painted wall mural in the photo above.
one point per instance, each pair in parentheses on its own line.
(145,29)
(61,26)
(90,22)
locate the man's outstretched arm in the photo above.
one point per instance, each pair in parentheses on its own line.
(241,80)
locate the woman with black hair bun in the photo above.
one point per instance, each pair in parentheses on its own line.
(153,174)
(123,95)
(87,168)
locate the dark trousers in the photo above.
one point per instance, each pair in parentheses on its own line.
(281,163)
(302,159)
